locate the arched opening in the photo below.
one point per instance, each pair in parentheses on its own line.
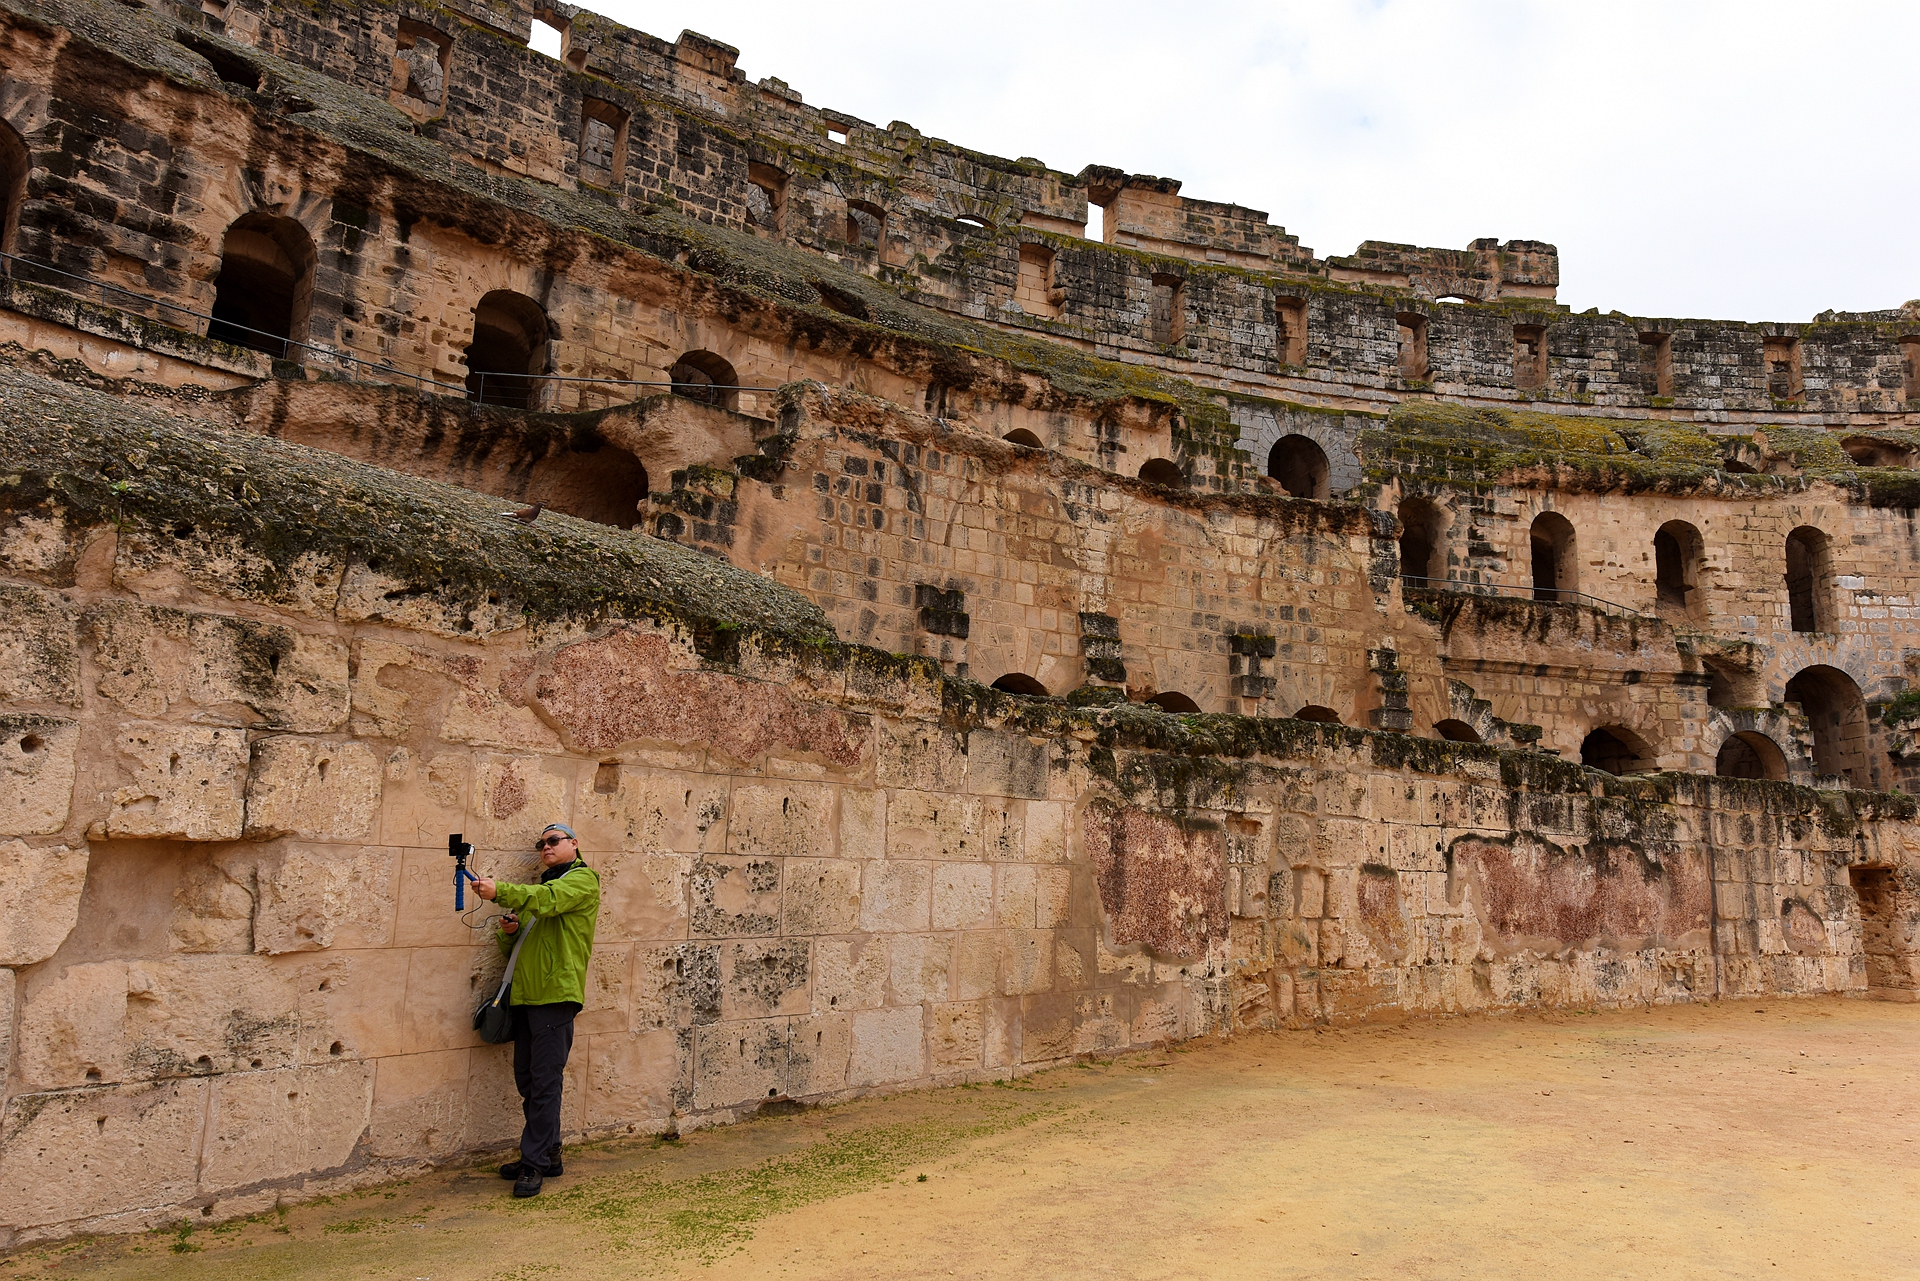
(1300,465)
(1837,717)
(1021,436)
(866,224)
(1171,702)
(707,378)
(1423,553)
(1750,754)
(1456,731)
(1162,472)
(15,164)
(1556,575)
(1809,580)
(1869,452)
(1616,750)
(1314,712)
(508,351)
(1677,550)
(1022,684)
(265,286)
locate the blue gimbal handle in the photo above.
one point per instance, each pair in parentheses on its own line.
(460,851)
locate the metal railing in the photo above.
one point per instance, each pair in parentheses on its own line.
(509,390)
(1541,595)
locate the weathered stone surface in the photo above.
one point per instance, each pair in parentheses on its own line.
(621,689)
(42,885)
(271,1126)
(90,1154)
(320,898)
(39,662)
(183,783)
(314,790)
(1162,885)
(36,773)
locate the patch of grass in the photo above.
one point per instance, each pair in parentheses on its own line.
(714,1214)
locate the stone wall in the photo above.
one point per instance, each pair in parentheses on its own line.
(240,732)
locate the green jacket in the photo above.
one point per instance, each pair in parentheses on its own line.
(553,964)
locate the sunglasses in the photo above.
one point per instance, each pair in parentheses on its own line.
(551,841)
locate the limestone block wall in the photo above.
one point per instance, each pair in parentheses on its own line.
(382,187)
(826,872)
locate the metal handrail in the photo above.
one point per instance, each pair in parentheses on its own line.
(475,393)
(1543,595)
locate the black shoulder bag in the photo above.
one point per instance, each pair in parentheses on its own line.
(494,1019)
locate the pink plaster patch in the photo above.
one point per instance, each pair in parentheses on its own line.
(1161,883)
(619,689)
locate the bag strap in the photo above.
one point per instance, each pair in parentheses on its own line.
(513,959)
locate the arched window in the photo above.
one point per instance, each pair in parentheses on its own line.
(1750,754)
(1314,712)
(1024,438)
(1163,472)
(1300,466)
(1171,702)
(1677,553)
(265,286)
(1837,716)
(1809,580)
(15,164)
(1556,574)
(1616,750)
(1423,551)
(707,378)
(508,352)
(1456,731)
(1021,683)
(1870,452)
(866,224)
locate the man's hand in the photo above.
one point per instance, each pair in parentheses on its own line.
(483,886)
(509,923)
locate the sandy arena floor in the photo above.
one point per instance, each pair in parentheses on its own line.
(1692,1142)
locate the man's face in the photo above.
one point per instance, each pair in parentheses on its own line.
(556,849)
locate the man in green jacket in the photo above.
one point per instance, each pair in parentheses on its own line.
(549,987)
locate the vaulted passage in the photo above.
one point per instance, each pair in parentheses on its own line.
(1300,465)
(15,164)
(1677,554)
(1837,719)
(1020,683)
(706,377)
(1616,750)
(1556,573)
(508,352)
(1423,557)
(1810,580)
(265,286)
(1751,755)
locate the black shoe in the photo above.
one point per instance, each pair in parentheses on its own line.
(511,1170)
(528,1184)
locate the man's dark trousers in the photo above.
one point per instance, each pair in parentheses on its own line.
(542,1039)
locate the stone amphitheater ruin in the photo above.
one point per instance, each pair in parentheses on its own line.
(961,644)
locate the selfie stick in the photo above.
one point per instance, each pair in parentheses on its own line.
(461,851)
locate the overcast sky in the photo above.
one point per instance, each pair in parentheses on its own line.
(1752,161)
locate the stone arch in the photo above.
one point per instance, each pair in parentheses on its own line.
(1172,701)
(508,352)
(1423,542)
(1836,717)
(1318,714)
(1456,731)
(1263,427)
(1617,750)
(1024,438)
(1678,555)
(1556,564)
(706,377)
(1163,472)
(15,164)
(1022,684)
(1300,465)
(1810,580)
(1750,754)
(264,291)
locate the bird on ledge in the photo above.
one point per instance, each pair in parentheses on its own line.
(527,515)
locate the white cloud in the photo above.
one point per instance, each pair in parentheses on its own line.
(1735,160)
